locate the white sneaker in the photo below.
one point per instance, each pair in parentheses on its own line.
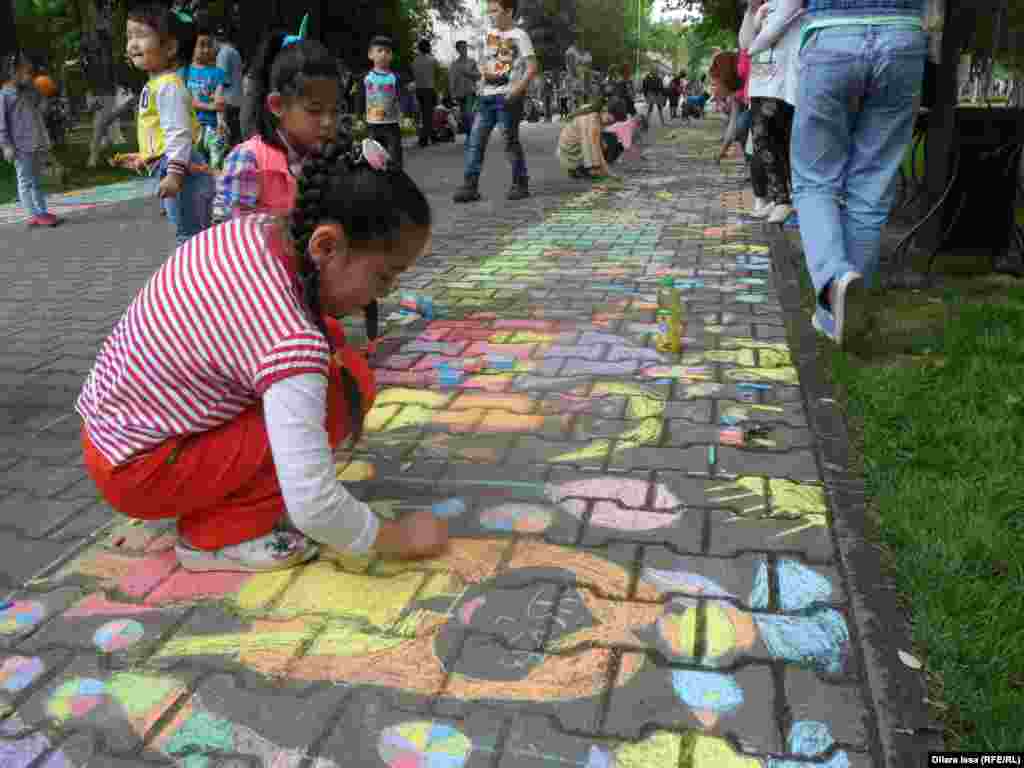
(824,323)
(848,287)
(779,213)
(761,208)
(276,551)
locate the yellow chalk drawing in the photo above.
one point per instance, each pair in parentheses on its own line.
(721,633)
(783,375)
(733,356)
(807,501)
(743,248)
(709,752)
(749,490)
(355,471)
(800,503)
(521,337)
(642,405)
(736,342)
(661,748)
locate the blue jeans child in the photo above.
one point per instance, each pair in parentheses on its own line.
(191,210)
(491,111)
(28,167)
(858,94)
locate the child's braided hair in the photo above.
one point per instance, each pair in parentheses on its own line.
(370,205)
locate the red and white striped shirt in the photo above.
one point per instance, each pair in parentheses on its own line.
(219,323)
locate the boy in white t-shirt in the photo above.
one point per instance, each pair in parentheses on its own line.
(508,66)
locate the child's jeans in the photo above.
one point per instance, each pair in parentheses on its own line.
(491,111)
(28,166)
(190,211)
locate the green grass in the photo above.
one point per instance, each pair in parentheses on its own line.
(73,156)
(936,409)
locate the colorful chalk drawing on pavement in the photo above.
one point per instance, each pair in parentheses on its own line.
(118,635)
(578,589)
(18,672)
(20,615)
(83,200)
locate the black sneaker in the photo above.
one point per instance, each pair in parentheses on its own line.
(468,192)
(520,190)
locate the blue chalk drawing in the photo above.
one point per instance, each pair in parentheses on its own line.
(710,691)
(808,738)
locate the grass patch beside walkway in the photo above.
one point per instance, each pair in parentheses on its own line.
(74,157)
(935,403)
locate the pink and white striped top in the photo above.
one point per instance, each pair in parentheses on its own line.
(219,323)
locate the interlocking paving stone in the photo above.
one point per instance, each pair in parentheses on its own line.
(121,706)
(806,692)
(241,714)
(737,705)
(35,517)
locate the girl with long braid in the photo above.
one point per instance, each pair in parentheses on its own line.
(293,106)
(220,395)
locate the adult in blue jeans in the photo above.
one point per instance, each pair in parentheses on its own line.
(509,64)
(860,72)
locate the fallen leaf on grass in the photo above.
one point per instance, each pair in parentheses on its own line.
(908,660)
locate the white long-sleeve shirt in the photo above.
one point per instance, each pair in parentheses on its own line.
(773,45)
(317,503)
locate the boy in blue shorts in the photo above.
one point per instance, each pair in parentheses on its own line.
(207,83)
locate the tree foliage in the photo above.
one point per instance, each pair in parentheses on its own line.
(608,29)
(720,14)
(551,25)
(702,38)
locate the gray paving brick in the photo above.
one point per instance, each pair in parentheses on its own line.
(41,479)
(798,465)
(733,705)
(841,707)
(35,517)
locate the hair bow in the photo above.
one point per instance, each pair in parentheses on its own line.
(292,39)
(373,154)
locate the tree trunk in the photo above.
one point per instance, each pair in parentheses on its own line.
(8,32)
(97,17)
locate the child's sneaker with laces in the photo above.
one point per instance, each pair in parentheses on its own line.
(274,552)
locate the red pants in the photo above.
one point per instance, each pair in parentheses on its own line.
(220,485)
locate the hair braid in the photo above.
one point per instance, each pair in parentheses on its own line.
(309,211)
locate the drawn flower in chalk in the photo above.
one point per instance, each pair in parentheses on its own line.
(423,743)
(18,672)
(21,615)
(76,698)
(118,635)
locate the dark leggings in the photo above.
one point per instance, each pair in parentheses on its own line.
(772,128)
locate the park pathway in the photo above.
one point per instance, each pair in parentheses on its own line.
(644,572)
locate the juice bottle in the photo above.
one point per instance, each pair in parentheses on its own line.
(670,311)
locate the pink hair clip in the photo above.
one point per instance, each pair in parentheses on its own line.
(375,155)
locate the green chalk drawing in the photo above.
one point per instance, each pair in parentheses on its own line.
(202,731)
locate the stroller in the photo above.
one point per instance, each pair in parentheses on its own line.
(446,123)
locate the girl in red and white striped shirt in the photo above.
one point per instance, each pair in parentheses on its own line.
(219,396)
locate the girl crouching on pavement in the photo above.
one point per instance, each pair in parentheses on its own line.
(219,397)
